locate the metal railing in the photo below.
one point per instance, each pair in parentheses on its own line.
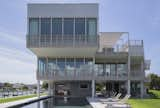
(136,42)
(61,41)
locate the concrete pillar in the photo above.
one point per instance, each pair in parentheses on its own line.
(38,88)
(142,88)
(93,88)
(128,87)
(49,89)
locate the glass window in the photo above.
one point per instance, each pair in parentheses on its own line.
(33,26)
(79,62)
(108,69)
(45,26)
(121,69)
(80,26)
(88,61)
(113,69)
(68,26)
(51,65)
(70,69)
(100,69)
(41,65)
(57,26)
(61,64)
(69,63)
(91,27)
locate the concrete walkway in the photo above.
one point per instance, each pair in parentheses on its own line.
(18,102)
(95,103)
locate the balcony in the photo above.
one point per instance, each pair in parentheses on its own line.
(147,64)
(56,46)
(84,73)
(136,48)
(61,41)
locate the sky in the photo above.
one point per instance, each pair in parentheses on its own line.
(141,18)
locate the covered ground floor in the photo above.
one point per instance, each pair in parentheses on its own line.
(93,88)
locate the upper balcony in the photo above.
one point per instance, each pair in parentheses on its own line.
(59,41)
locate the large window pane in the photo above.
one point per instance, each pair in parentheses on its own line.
(91,27)
(61,65)
(79,62)
(121,69)
(68,26)
(41,65)
(51,65)
(57,26)
(80,26)
(45,26)
(70,68)
(113,70)
(108,69)
(33,26)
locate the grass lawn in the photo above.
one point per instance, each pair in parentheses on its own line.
(10,99)
(154,102)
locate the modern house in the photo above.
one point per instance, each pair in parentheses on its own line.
(72,55)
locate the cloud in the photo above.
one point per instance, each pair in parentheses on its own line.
(17,63)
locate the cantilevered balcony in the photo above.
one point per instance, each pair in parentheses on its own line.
(50,46)
(61,41)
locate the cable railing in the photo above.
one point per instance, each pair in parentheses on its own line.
(59,40)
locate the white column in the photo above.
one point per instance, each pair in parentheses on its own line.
(93,88)
(38,88)
(128,80)
(128,87)
(142,88)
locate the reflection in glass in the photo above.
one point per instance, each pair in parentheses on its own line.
(52,66)
(60,65)
(121,69)
(91,28)
(108,70)
(41,66)
(70,66)
(113,70)
(33,26)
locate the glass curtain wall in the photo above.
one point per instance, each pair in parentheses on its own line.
(52,29)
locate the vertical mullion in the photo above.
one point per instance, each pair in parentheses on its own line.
(51,32)
(62,30)
(85,30)
(74,32)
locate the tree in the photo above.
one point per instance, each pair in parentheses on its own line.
(24,88)
(45,85)
(154,81)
